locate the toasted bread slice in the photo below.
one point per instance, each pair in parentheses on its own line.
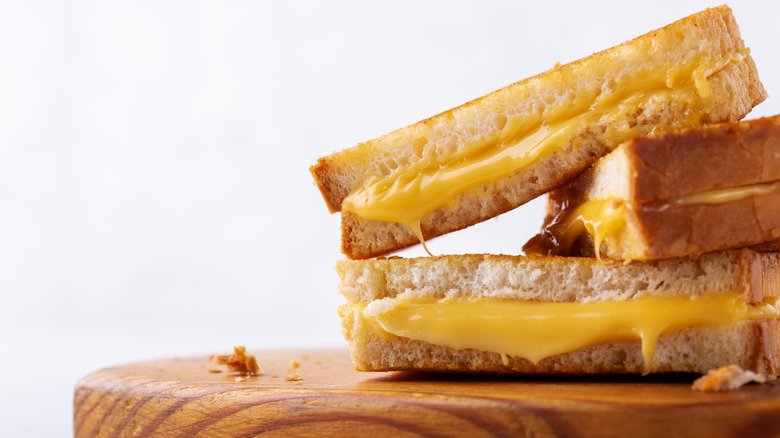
(676,194)
(694,71)
(382,284)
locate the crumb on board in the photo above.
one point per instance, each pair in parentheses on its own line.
(274,376)
(726,378)
(239,362)
(239,379)
(215,370)
(294,377)
(294,364)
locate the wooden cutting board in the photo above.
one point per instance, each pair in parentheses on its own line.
(184,397)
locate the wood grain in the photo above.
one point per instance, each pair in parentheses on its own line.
(182,398)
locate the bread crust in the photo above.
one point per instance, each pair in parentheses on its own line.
(662,166)
(680,230)
(713,157)
(753,345)
(710,34)
(764,357)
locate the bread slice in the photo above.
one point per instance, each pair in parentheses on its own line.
(750,344)
(673,187)
(589,106)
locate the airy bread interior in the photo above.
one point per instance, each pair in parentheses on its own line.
(560,279)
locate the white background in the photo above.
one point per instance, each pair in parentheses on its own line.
(155,199)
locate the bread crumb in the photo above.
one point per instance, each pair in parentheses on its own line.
(239,379)
(726,378)
(239,362)
(274,376)
(294,364)
(215,370)
(294,377)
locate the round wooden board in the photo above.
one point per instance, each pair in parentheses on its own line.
(183,397)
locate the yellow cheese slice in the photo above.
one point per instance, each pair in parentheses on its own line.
(535,330)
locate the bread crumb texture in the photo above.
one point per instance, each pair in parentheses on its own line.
(726,378)
(239,362)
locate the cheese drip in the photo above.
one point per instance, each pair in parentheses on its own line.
(600,218)
(412,192)
(603,218)
(535,330)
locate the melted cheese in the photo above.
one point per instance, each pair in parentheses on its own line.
(728,195)
(412,192)
(600,218)
(535,330)
(603,218)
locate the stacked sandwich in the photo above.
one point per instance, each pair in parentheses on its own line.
(656,190)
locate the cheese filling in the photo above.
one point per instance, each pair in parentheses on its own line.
(721,196)
(603,218)
(412,192)
(600,218)
(535,330)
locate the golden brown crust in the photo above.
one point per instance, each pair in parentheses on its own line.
(687,229)
(773,246)
(676,163)
(326,177)
(764,358)
(712,157)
